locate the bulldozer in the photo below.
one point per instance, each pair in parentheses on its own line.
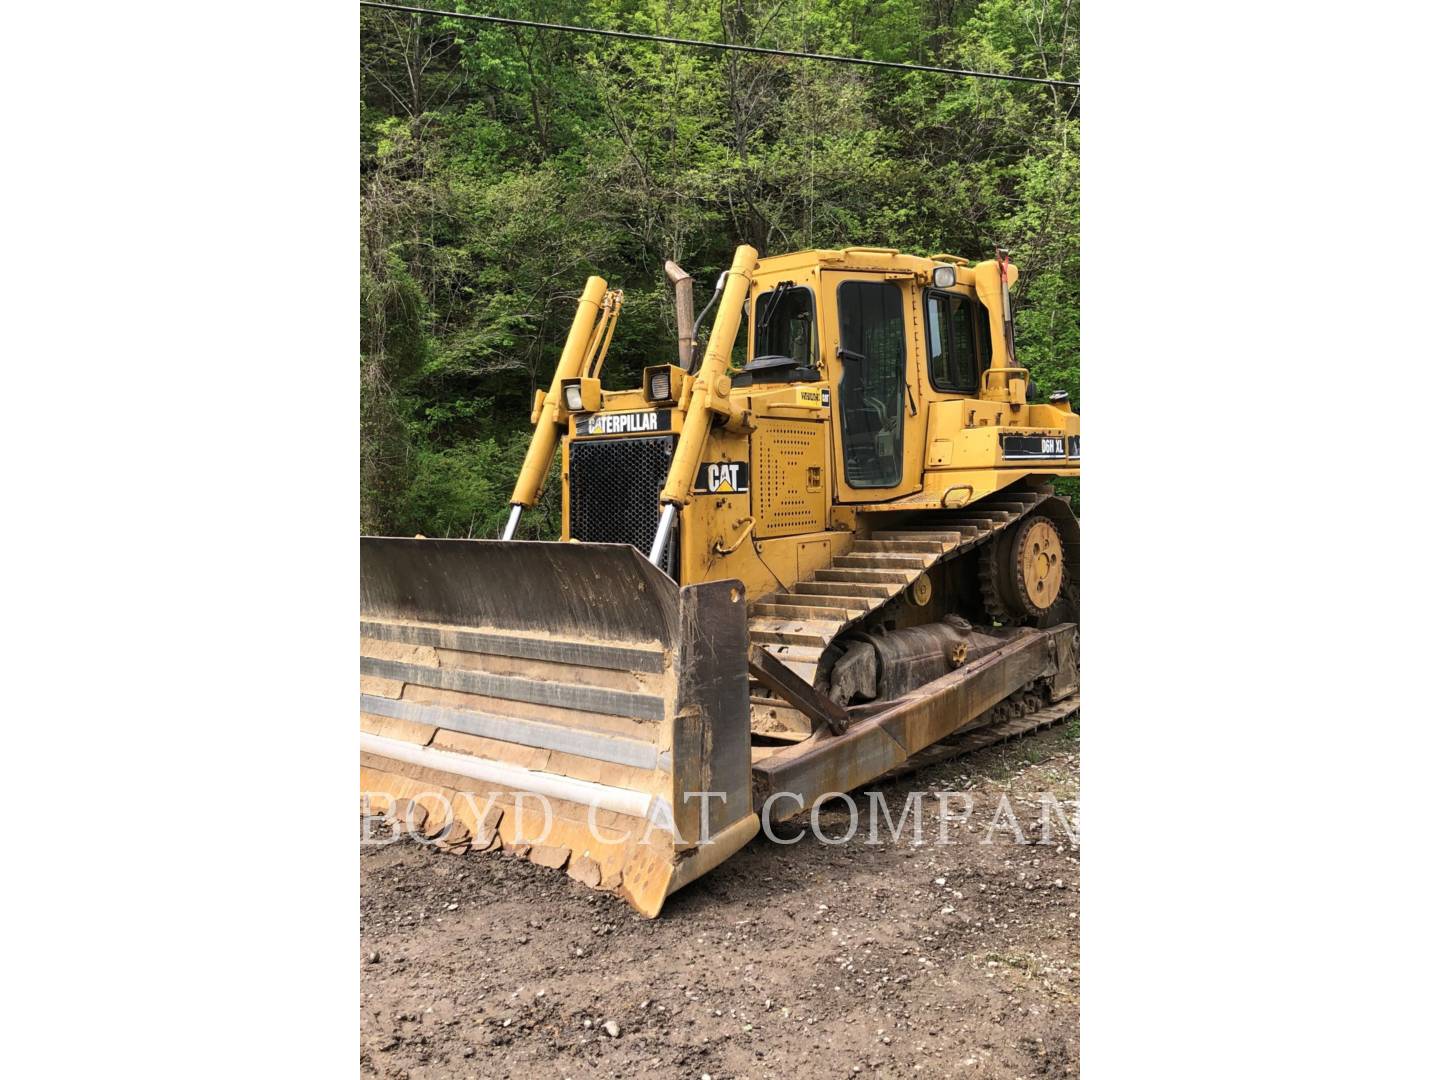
(791,562)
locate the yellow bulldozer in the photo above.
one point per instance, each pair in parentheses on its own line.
(791,563)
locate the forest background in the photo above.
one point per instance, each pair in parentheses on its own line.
(499,166)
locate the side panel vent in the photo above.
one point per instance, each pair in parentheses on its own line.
(788,481)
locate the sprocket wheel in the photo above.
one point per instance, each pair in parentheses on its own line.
(1022,572)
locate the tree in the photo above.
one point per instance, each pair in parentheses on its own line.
(501,165)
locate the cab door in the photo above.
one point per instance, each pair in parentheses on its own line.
(878,436)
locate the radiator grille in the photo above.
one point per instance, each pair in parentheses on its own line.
(615,492)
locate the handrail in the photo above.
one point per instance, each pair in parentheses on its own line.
(721,549)
(945,496)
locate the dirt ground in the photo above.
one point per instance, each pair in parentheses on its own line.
(891,959)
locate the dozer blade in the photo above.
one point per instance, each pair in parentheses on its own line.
(565,702)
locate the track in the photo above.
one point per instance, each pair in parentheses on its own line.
(796,625)
(987,732)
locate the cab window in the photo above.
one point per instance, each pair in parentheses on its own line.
(982,334)
(950,334)
(872,386)
(785,322)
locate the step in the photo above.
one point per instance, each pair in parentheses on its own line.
(803,654)
(789,637)
(900,547)
(986,522)
(949,538)
(873,577)
(779,609)
(844,601)
(844,589)
(815,633)
(875,561)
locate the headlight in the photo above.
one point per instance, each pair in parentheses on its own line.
(573,401)
(660,385)
(944,277)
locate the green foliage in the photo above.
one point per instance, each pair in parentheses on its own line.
(500,166)
(464,490)
(1070,486)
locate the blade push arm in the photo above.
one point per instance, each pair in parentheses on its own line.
(706,398)
(549,420)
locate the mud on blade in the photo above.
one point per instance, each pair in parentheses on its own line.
(557,700)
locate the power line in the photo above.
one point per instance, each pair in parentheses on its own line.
(719,45)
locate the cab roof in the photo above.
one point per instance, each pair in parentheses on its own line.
(856,258)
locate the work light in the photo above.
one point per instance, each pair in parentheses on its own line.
(573,400)
(663,384)
(944,277)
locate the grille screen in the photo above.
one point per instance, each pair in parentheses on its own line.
(615,492)
(789,498)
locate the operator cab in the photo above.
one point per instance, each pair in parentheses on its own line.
(785,344)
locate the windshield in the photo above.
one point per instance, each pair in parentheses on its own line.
(784,323)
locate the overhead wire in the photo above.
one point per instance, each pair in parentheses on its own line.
(722,46)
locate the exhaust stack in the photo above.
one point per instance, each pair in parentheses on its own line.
(684,310)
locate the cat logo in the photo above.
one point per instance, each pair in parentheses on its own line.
(724,477)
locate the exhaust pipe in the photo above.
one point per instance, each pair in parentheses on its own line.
(1002,257)
(684,310)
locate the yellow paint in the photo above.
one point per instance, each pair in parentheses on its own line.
(551,418)
(799,511)
(708,394)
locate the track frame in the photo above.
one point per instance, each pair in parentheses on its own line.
(793,779)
